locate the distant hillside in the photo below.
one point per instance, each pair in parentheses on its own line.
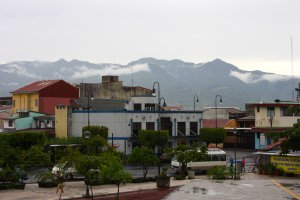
(179,80)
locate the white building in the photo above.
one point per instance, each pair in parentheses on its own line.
(139,113)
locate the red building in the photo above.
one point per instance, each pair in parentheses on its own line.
(43,96)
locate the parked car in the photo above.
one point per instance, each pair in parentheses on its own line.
(68,171)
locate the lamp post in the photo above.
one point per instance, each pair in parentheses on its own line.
(235,133)
(158,93)
(216,108)
(195,99)
(158,122)
(87,135)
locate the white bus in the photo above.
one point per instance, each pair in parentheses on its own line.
(215,157)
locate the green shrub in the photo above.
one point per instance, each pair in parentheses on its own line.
(217,172)
(96,130)
(23,140)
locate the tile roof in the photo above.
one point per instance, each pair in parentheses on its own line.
(36,86)
(211,123)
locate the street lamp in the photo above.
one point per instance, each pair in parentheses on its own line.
(87,135)
(158,122)
(196,96)
(158,93)
(216,108)
(235,133)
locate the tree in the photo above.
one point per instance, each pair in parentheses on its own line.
(111,170)
(145,156)
(96,130)
(290,137)
(150,138)
(185,154)
(212,135)
(36,157)
(89,167)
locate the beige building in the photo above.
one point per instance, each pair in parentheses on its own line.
(111,88)
(273,116)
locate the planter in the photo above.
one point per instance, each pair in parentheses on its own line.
(6,186)
(163,182)
(191,174)
(48,184)
(20,186)
(259,172)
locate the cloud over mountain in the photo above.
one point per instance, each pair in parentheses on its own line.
(179,81)
(110,69)
(250,77)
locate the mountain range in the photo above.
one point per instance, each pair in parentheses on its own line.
(179,81)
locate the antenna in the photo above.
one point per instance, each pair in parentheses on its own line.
(292,67)
(131,76)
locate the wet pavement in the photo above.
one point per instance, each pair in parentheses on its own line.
(251,186)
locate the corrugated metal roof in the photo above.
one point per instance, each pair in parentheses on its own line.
(36,86)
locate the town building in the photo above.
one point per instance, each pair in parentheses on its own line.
(5,113)
(43,96)
(271,117)
(124,124)
(111,88)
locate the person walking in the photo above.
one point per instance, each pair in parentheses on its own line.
(243,164)
(231,162)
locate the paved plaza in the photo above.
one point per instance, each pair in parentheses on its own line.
(251,186)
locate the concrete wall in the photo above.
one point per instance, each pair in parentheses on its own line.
(61,121)
(119,123)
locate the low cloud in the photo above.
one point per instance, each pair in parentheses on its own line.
(249,77)
(10,84)
(84,71)
(15,68)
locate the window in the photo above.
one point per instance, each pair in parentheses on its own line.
(181,128)
(10,123)
(136,126)
(150,126)
(270,111)
(137,106)
(149,106)
(257,109)
(14,103)
(36,102)
(193,128)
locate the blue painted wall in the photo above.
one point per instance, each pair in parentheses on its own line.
(26,122)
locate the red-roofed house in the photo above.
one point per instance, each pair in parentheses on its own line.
(43,96)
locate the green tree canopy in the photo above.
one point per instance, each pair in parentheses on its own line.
(96,130)
(23,140)
(185,154)
(212,135)
(291,136)
(150,138)
(144,156)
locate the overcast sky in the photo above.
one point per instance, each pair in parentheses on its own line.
(251,34)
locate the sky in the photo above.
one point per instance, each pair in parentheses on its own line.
(250,34)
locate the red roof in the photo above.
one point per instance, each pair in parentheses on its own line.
(211,123)
(36,86)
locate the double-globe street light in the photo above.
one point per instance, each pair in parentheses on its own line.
(196,98)
(159,99)
(216,108)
